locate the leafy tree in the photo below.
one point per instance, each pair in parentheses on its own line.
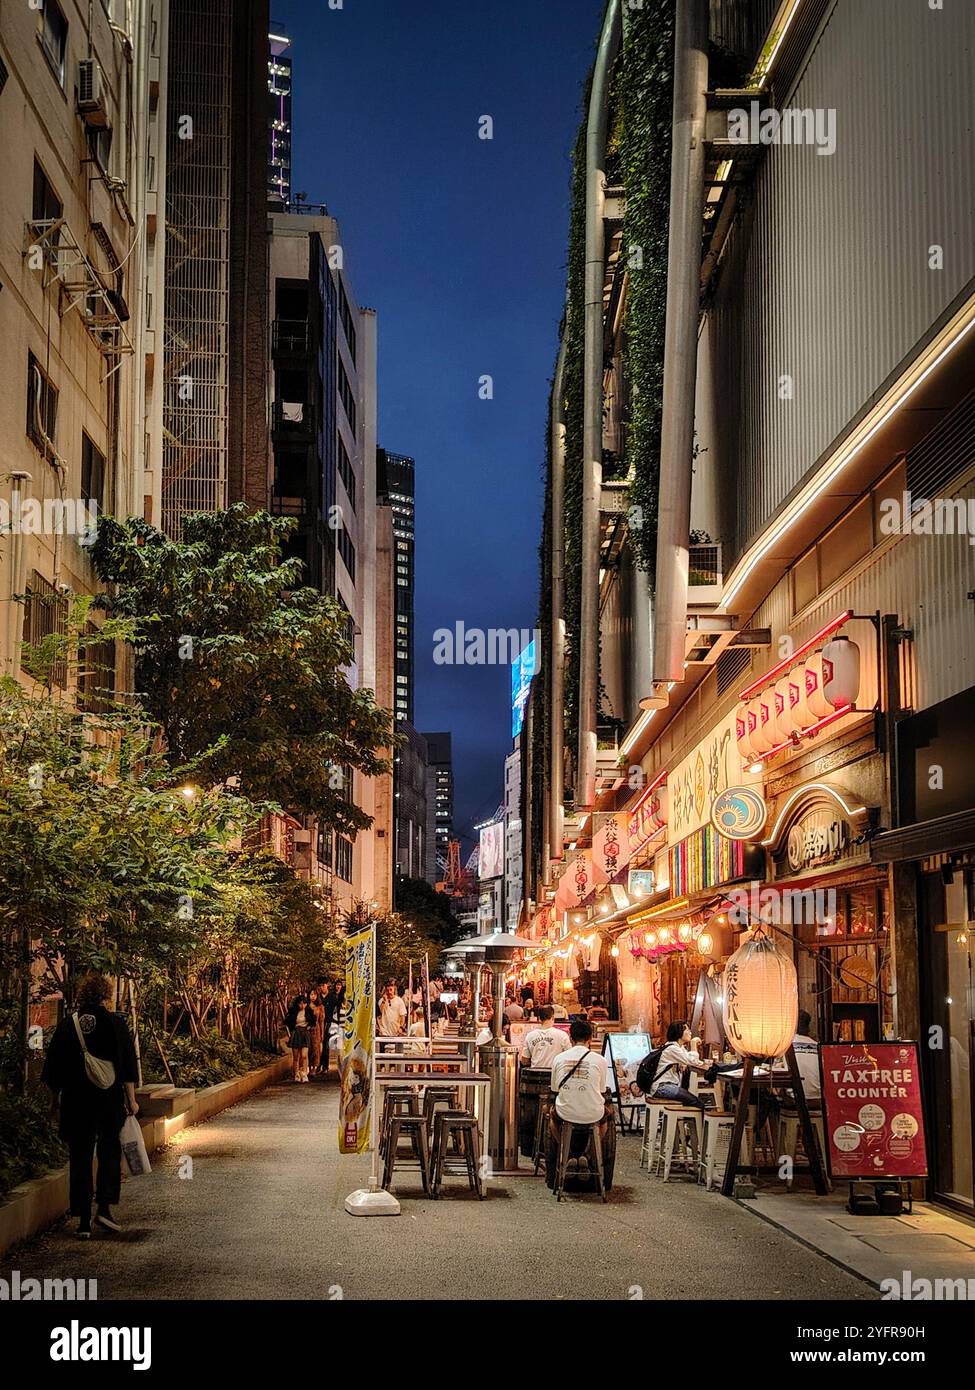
(243,669)
(419,902)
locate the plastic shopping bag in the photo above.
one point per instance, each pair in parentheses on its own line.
(134,1147)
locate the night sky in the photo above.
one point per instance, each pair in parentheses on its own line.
(460,245)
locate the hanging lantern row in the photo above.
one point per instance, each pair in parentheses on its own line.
(800,702)
(656,942)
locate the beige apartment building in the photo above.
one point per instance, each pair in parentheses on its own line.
(78,101)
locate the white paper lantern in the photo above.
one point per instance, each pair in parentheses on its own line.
(761,1005)
(841,672)
(816,700)
(742,735)
(759,733)
(784,722)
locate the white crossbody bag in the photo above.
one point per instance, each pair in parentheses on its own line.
(99,1071)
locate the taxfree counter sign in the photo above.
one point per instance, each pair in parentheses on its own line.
(873,1112)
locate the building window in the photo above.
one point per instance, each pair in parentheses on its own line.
(347,551)
(96,678)
(347,395)
(346,472)
(45,205)
(92,473)
(348,322)
(100,147)
(343,858)
(54,37)
(45,615)
(42,406)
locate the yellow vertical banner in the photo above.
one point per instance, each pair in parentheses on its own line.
(358,1035)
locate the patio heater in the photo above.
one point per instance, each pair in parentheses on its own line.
(469,953)
(499,1059)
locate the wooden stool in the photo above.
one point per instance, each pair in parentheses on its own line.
(792,1133)
(593,1152)
(674,1135)
(650,1148)
(415,1129)
(462,1128)
(718,1125)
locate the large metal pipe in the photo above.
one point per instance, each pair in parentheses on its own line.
(680,340)
(592,443)
(556,787)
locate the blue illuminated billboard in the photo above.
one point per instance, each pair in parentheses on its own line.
(522,670)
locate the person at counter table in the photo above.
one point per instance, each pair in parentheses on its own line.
(679,1055)
(580,1081)
(544,1043)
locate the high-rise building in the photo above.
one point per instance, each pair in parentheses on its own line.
(215,448)
(397,474)
(278,117)
(440,793)
(411,791)
(323,439)
(75,107)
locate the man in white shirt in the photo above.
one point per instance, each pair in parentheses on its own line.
(544,1043)
(580,1081)
(678,1056)
(392,1012)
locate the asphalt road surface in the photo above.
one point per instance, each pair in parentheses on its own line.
(259,1214)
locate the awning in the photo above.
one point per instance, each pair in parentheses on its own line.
(943,835)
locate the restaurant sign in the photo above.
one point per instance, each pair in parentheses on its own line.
(818,826)
(874,1116)
(713,767)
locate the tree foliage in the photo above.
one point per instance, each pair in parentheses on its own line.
(244,670)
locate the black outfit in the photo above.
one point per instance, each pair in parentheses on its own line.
(333,1004)
(90,1118)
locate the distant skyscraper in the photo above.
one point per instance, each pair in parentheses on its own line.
(440,790)
(278,117)
(396,485)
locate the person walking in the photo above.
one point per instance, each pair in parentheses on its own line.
(300,1021)
(93,1041)
(317,1031)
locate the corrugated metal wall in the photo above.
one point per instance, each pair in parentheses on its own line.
(926,581)
(827,280)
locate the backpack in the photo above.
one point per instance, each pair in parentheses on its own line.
(647,1070)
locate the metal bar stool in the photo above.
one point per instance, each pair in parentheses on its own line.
(461,1127)
(545,1104)
(414,1128)
(593,1154)
(445,1096)
(397,1100)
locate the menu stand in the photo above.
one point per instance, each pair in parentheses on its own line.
(741,1119)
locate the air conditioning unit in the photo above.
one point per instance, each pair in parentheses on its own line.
(92,104)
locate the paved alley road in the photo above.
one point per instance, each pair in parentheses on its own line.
(262,1217)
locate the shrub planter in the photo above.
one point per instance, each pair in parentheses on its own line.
(33,1205)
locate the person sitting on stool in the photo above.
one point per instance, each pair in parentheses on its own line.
(580,1082)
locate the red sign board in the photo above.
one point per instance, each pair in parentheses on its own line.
(872,1109)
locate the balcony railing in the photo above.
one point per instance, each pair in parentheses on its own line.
(292,418)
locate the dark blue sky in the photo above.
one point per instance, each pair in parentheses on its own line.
(459,244)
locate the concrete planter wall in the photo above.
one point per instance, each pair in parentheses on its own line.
(40,1202)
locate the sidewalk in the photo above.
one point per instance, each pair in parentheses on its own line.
(251,1205)
(929,1244)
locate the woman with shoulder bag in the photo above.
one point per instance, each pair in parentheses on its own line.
(91,1066)
(300,1020)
